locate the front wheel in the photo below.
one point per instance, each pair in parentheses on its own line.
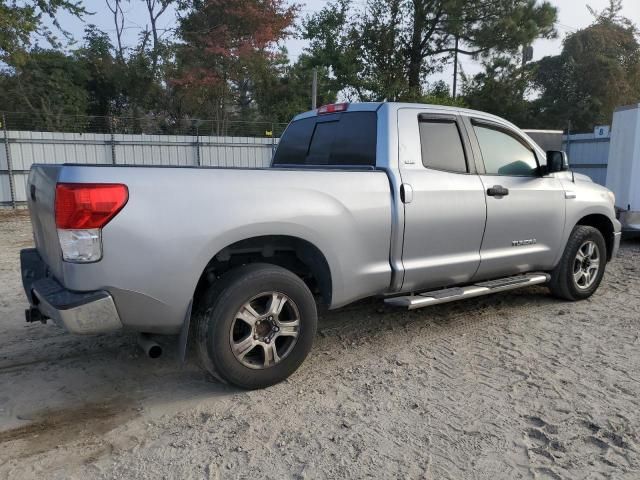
(256,326)
(581,268)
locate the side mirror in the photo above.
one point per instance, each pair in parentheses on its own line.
(557,161)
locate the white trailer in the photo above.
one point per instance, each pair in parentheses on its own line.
(623,170)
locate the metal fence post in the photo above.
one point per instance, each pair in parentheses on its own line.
(273,139)
(198,160)
(12,185)
(113,141)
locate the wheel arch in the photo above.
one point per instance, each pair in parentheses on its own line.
(291,252)
(603,224)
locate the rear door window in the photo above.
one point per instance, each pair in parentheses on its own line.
(341,139)
(442,146)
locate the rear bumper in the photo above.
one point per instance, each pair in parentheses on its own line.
(78,312)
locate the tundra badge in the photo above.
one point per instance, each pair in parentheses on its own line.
(521,243)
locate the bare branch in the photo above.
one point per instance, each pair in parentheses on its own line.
(118,20)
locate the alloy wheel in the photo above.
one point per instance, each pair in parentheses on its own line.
(586,265)
(265,330)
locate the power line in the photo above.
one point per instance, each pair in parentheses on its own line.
(567,27)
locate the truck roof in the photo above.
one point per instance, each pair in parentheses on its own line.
(391,108)
(374,106)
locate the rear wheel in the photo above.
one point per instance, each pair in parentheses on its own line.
(581,268)
(256,326)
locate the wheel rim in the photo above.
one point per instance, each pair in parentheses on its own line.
(265,330)
(586,265)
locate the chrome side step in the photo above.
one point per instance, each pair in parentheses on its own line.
(425,299)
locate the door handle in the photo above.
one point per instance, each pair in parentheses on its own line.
(406,193)
(497,191)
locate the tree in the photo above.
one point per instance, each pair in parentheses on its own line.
(438,94)
(115,7)
(389,48)
(226,44)
(103,75)
(502,89)
(284,90)
(227,64)
(49,86)
(597,70)
(91,80)
(20,20)
(156,9)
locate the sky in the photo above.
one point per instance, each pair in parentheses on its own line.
(572,15)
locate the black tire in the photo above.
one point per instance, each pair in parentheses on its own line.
(219,309)
(563,283)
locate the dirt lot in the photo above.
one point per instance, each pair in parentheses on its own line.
(516,385)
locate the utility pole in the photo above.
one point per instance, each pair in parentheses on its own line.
(455,68)
(527,56)
(314,89)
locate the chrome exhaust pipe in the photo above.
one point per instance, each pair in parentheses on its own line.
(151,348)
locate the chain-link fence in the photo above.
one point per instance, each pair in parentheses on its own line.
(150,140)
(148,125)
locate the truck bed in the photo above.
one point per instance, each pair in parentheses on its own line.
(177,219)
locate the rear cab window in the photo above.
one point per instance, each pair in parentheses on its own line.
(346,139)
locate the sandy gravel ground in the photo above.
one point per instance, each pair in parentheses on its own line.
(516,385)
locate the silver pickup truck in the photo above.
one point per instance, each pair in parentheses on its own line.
(415,204)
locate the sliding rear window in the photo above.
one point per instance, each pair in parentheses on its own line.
(340,139)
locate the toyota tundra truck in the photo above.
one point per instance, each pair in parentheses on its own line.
(413,204)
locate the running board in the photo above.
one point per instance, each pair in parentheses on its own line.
(425,299)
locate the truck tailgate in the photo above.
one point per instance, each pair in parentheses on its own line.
(41,192)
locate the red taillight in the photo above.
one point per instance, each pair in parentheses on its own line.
(88,205)
(333,108)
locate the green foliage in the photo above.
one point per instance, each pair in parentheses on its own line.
(437,94)
(227,45)
(387,50)
(102,76)
(50,86)
(20,20)
(227,62)
(285,91)
(86,81)
(501,89)
(597,70)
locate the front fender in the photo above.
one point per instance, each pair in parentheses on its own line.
(584,198)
